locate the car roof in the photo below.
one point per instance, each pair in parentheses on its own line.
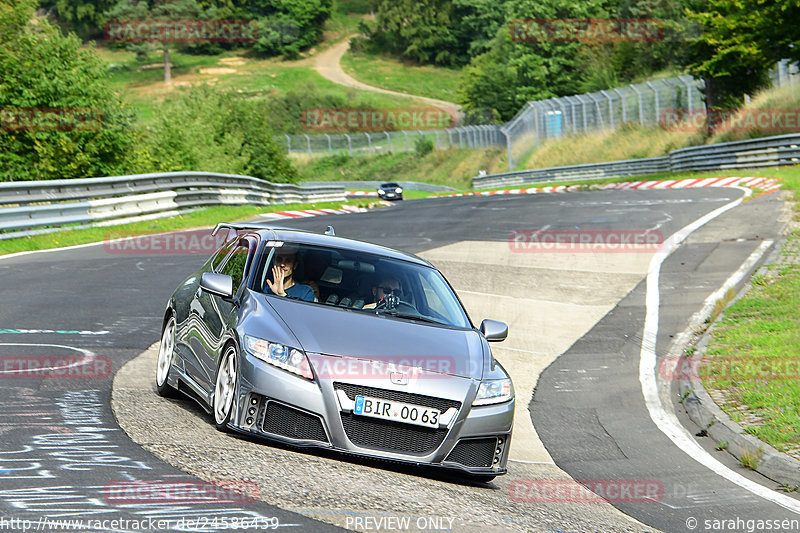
(278,233)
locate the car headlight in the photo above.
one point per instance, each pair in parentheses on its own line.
(494,391)
(381,191)
(285,357)
(398,190)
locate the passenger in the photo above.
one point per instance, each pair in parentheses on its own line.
(387,287)
(284,263)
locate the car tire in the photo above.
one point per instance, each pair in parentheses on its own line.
(226,381)
(166,353)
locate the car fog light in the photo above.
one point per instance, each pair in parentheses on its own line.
(253,401)
(251,411)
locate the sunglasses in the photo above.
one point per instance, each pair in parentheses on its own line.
(389,290)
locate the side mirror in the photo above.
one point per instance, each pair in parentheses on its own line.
(219,284)
(493,330)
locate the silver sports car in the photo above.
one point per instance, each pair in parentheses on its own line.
(317,340)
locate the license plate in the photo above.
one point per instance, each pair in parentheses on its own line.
(397,411)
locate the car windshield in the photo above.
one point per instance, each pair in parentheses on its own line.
(366,283)
(390,185)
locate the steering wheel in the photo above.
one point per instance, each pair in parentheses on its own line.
(392,301)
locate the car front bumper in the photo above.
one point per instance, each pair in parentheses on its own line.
(276,404)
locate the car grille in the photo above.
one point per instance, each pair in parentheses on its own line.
(474,452)
(283,420)
(391,436)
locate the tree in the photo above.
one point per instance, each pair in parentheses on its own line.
(741,40)
(156,10)
(288,26)
(60,118)
(84,17)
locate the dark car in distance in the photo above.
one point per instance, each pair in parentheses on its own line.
(390,191)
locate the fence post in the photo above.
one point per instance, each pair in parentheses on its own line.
(308,144)
(689,88)
(508,149)
(349,145)
(641,104)
(583,111)
(610,109)
(330,146)
(369,142)
(388,141)
(436,134)
(590,96)
(450,137)
(406,134)
(288,145)
(655,92)
(624,105)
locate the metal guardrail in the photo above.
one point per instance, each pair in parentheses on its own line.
(754,153)
(25,205)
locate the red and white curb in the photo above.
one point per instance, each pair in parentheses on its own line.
(531,190)
(361,193)
(345,209)
(766,184)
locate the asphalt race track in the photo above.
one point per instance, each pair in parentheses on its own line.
(83,313)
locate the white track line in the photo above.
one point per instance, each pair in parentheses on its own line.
(665,419)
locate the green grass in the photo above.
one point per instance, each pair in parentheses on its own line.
(196,219)
(754,355)
(402,76)
(454,168)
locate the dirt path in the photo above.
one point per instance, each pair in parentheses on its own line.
(328,64)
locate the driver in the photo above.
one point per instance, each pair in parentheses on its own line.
(388,286)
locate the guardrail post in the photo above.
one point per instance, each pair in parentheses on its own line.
(330,146)
(349,145)
(388,141)
(406,134)
(641,104)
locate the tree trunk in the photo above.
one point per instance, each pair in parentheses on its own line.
(167,67)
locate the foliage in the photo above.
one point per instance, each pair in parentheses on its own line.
(287,26)
(423,146)
(43,71)
(443,32)
(207,130)
(84,17)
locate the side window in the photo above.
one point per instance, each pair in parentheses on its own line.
(216,260)
(235,265)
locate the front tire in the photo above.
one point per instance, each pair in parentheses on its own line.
(225,386)
(166,353)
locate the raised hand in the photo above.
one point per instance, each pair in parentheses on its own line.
(277,285)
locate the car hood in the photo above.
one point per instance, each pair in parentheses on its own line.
(329,331)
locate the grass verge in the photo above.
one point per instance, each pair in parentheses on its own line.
(395,75)
(201,218)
